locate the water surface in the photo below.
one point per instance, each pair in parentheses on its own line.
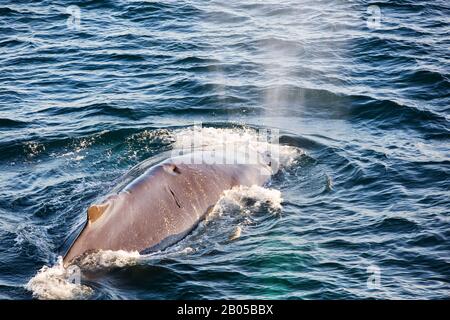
(82,103)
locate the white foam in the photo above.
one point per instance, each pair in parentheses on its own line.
(237,200)
(56,283)
(242,140)
(108,259)
(52,283)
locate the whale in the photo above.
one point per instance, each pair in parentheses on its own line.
(164,204)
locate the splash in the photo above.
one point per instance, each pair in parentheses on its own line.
(107,259)
(33,149)
(251,142)
(247,200)
(53,283)
(58,283)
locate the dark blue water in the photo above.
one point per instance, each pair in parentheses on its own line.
(84,100)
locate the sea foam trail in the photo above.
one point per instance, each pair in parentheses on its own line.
(56,283)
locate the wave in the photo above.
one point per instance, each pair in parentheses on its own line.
(396,224)
(6,11)
(95,109)
(161,11)
(12,124)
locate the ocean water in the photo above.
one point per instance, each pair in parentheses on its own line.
(358,90)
